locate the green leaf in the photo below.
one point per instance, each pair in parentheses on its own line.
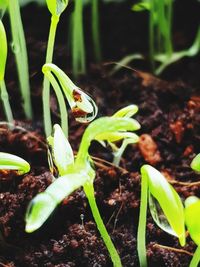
(3,51)
(168,200)
(128,111)
(195,164)
(41,207)
(192,211)
(56,7)
(12,162)
(61,151)
(142,6)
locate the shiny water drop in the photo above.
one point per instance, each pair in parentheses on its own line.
(85,109)
(15,48)
(159,216)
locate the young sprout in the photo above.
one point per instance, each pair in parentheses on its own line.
(12,162)
(160,27)
(95,30)
(192,210)
(78,46)
(3,58)
(20,51)
(128,138)
(165,206)
(56,7)
(83,107)
(195,164)
(79,172)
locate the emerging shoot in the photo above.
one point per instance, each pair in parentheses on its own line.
(165,206)
(78,45)
(56,7)
(20,51)
(3,59)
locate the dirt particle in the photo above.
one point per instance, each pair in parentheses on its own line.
(149,149)
(178,130)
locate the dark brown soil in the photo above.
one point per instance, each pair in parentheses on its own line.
(170,138)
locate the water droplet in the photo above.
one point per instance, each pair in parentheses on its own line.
(52,166)
(85,109)
(159,216)
(15,48)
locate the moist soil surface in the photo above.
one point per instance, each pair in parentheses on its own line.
(169,114)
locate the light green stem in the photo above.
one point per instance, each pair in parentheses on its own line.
(61,102)
(89,191)
(78,47)
(19,48)
(196,258)
(141,236)
(6,103)
(95,30)
(46,84)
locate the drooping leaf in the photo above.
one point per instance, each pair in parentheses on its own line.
(168,199)
(12,162)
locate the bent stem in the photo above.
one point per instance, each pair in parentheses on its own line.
(95,30)
(89,191)
(6,103)
(46,84)
(141,236)
(196,258)
(20,51)
(61,102)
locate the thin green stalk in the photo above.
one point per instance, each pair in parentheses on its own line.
(95,30)
(19,48)
(141,236)
(61,102)
(196,258)
(89,191)
(78,47)
(169,16)
(46,84)
(151,36)
(6,103)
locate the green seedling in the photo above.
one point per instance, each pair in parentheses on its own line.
(160,26)
(165,60)
(129,138)
(3,59)
(15,163)
(77,173)
(95,30)
(20,51)
(165,206)
(83,107)
(192,210)
(56,8)
(78,44)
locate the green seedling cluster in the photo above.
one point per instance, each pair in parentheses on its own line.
(15,163)
(79,172)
